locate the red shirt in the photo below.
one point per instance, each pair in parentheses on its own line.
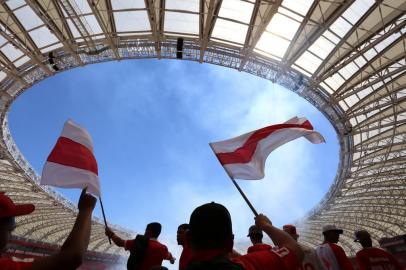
(281,259)
(333,257)
(155,254)
(259,247)
(376,258)
(185,257)
(9,264)
(342,259)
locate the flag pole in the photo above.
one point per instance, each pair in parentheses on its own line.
(104,215)
(237,186)
(242,194)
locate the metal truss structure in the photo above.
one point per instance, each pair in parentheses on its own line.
(346,57)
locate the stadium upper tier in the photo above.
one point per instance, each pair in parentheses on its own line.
(346,57)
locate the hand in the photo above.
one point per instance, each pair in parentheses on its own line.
(171,259)
(86,201)
(109,233)
(262,221)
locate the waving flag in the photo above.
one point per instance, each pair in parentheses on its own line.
(244,157)
(71,163)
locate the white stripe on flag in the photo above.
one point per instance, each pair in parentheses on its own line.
(77,133)
(69,177)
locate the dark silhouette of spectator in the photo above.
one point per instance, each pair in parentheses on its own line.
(186,251)
(145,250)
(211,238)
(158,268)
(255,234)
(71,254)
(332,255)
(310,260)
(369,258)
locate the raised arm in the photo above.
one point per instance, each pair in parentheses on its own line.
(117,240)
(279,237)
(73,249)
(170,258)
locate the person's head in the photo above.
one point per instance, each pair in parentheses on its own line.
(363,237)
(331,234)
(211,228)
(291,230)
(255,234)
(181,233)
(8,212)
(153,230)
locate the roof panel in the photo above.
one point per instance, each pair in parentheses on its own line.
(127,4)
(11,52)
(322,47)
(348,70)
(28,18)
(273,44)
(181,23)
(357,9)
(231,31)
(2,41)
(21,61)
(189,5)
(94,25)
(15,3)
(2,75)
(43,37)
(132,21)
(299,6)
(289,28)
(261,52)
(73,29)
(340,27)
(84,7)
(334,81)
(236,10)
(308,61)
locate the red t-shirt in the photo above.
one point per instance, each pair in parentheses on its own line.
(259,247)
(185,257)
(282,259)
(342,259)
(376,259)
(155,254)
(9,264)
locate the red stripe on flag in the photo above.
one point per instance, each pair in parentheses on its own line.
(244,153)
(70,153)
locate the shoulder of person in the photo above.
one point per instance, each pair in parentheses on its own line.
(335,247)
(307,249)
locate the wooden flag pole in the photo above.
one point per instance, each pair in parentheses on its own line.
(237,186)
(104,215)
(242,194)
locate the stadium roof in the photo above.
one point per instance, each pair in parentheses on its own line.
(346,57)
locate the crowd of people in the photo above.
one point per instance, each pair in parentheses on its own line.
(207,242)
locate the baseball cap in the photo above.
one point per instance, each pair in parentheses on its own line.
(361,234)
(332,228)
(290,229)
(9,209)
(254,230)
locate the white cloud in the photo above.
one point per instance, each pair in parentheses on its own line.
(283,194)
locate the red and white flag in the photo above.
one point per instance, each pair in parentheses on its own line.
(71,163)
(244,157)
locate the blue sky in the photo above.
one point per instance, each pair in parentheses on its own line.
(151,122)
